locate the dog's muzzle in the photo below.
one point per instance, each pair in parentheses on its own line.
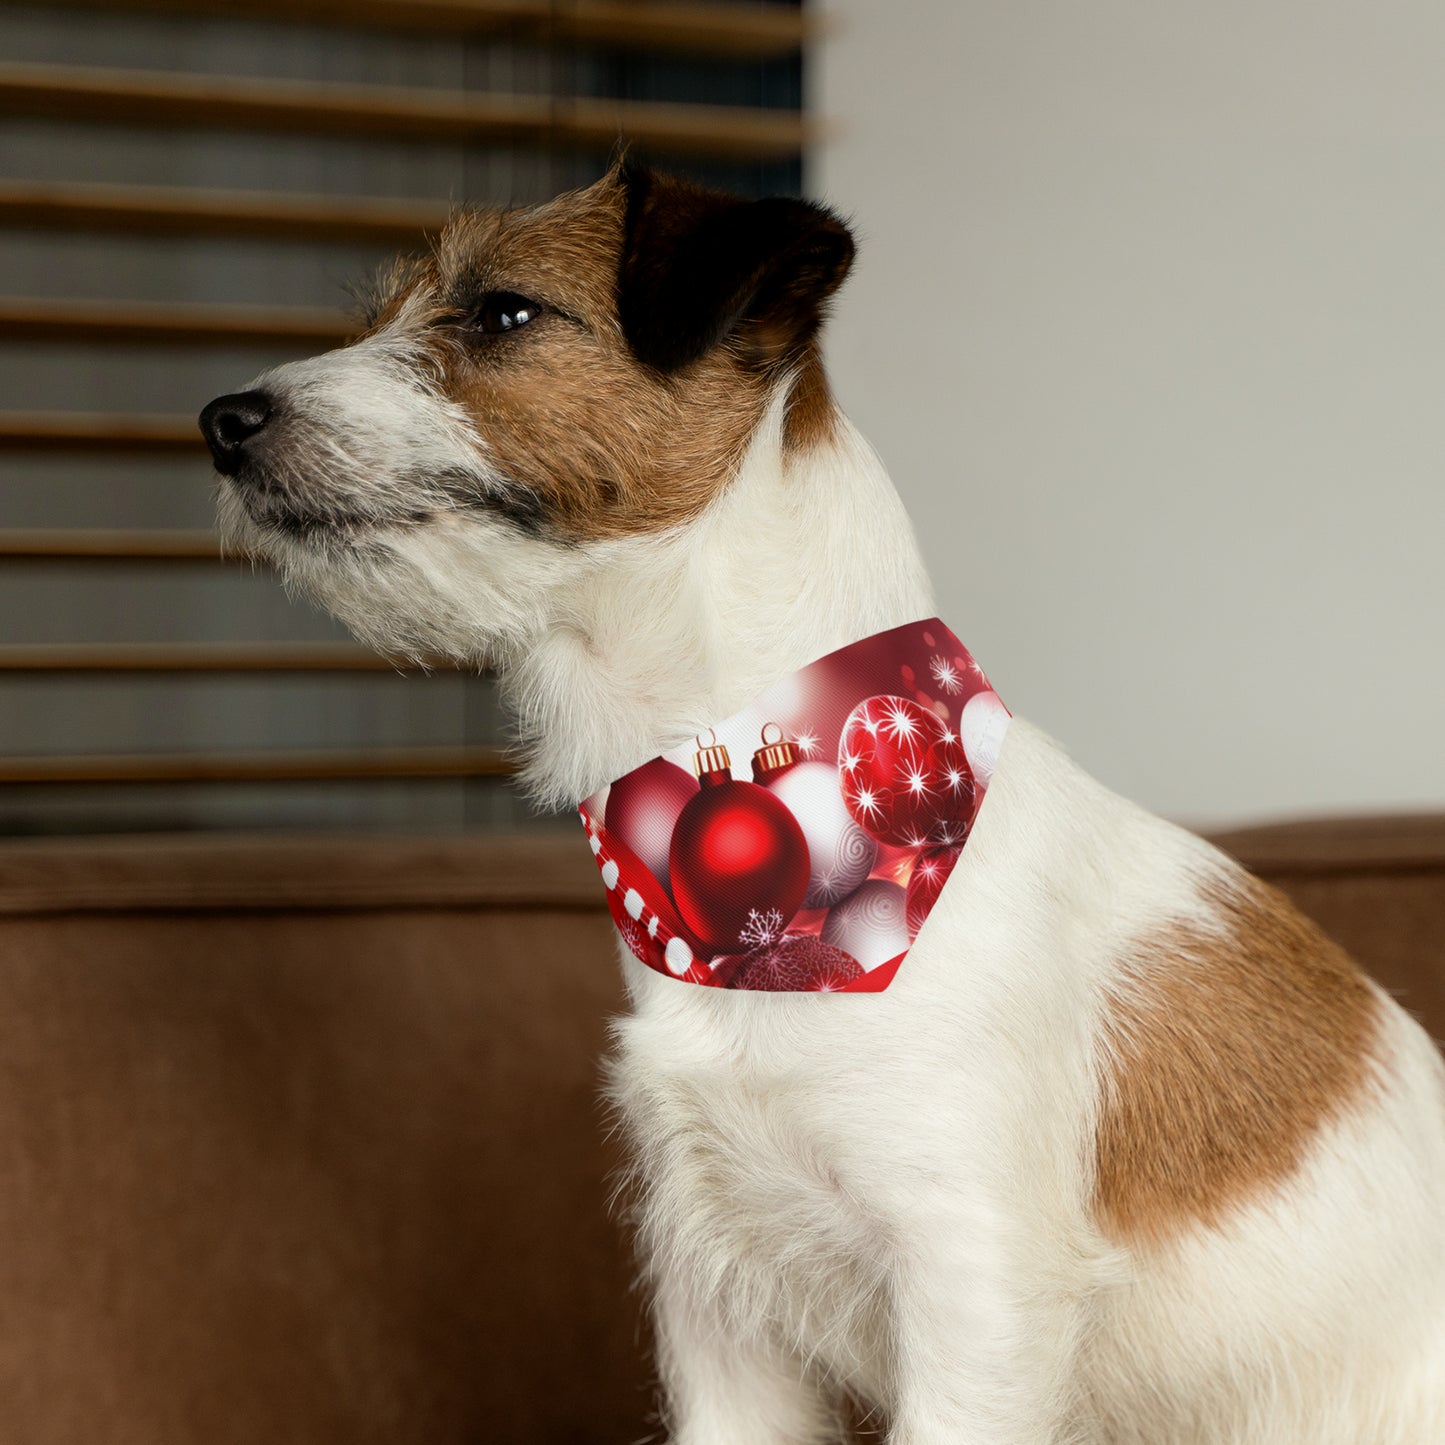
(230,422)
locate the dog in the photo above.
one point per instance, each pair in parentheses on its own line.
(1129,1152)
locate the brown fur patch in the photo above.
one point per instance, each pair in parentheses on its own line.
(609,447)
(604,445)
(812,413)
(1225,1055)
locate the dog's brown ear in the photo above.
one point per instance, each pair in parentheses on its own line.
(699,266)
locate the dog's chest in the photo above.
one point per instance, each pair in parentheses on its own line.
(749,1185)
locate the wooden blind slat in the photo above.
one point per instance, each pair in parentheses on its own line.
(170,323)
(76,544)
(259,767)
(709,29)
(200,657)
(175,210)
(79,431)
(217,102)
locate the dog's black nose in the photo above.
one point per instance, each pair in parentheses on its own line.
(229,422)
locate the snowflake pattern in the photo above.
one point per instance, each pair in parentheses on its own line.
(632,936)
(762,930)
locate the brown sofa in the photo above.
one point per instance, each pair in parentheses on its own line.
(301,1139)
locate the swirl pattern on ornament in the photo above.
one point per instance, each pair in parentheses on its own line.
(836,877)
(871,924)
(840,853)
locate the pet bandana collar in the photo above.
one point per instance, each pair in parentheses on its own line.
(813,871)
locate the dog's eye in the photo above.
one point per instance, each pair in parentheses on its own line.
(504,311)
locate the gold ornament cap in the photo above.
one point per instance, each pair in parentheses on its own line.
(774,755)
(711,757)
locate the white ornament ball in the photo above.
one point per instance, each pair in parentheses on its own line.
(871,924)
(981,729)
(840,853)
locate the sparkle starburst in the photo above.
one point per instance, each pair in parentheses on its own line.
(866,801)
(806,744)
(916,781)
(955,780)
(900,725)
(945,674)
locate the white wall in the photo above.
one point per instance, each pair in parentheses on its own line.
(1149,323)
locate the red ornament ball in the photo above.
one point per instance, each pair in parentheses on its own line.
(957,789)
(904,776)
(929,875)
(737,852)
(796,963)
(643,807)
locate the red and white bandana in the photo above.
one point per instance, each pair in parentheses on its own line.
(810,865)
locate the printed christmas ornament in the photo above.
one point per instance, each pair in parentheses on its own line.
(981,725)
(871,924)
(957,790)
(642,810)
(926,882)
(736,851)
(776,756)
(840,853)
(905,779)
(815,875)
(797,963)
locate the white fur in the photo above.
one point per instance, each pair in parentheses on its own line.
(890,1194)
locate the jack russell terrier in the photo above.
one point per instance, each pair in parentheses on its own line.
(1121,1149)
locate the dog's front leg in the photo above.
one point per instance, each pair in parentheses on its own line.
(985,1345)
(722,1389)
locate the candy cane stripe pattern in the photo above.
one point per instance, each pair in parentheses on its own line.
(654,937)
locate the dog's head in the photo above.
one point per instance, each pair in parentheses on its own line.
(547,384)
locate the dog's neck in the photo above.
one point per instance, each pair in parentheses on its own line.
(654,639)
